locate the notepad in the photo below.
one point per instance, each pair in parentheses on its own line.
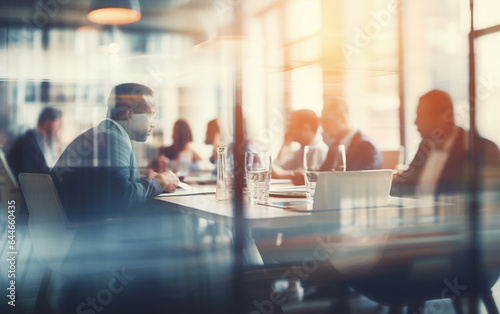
(186,189)
(289,191)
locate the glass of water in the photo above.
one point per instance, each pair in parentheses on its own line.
(314,157)
(225,174)
(339,162)
(258,174)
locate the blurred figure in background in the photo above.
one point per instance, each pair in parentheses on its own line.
(441,165)
(180,153)
(361,152)
(302,129)
(38,149)
(213,138)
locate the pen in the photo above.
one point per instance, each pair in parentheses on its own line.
(185,186)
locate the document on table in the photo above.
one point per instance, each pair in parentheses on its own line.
(288,191)
(185,189)
(301,206)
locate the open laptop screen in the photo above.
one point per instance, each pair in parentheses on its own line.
(352,189)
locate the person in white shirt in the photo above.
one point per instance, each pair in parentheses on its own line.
(361,153)
(303,129)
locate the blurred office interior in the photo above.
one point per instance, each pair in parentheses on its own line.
(283,55)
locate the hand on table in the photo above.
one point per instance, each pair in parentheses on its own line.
(168,180)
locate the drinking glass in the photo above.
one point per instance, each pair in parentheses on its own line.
(258,174)
(401,166)
(314,157)
(339,162)
(225,175)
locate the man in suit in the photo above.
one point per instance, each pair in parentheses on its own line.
(361,152)
(441,165)
(97,175)
(28,153)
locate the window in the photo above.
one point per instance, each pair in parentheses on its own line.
(436,56)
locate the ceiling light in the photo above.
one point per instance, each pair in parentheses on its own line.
(114,12)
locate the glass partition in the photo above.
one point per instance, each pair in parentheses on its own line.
(205,60)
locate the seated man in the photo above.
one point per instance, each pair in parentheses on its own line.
(361,153)
(441,164)
(97,175)
(29,152)
(302,129)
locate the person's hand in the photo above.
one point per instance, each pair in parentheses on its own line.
(151,173)
(297,178)
(168,181)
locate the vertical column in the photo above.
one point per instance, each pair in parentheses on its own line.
(238,155)
(473,251)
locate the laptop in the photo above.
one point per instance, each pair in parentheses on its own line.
(347,190)
(352,189)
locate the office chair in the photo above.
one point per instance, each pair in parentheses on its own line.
(53,237)
(403,289)
(390,159)
(47,220)
(71,249)
(9,189)
(11,195)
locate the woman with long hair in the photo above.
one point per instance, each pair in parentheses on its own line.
(180,149)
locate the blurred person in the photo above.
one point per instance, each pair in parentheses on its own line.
(441,165)
(182,146)
(302,129)
(97,175)
(34,151)
(228,141)
(213,137)
(287,150)
(361,152)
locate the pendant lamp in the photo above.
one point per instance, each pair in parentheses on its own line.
(114,12)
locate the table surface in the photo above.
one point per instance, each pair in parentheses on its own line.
(422,239)
(256,215)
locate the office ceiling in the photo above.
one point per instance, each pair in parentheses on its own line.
(182,16)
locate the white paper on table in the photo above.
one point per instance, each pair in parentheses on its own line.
(185,189)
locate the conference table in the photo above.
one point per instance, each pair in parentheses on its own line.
(410,249)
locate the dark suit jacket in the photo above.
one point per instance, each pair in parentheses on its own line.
(26,154)
(361,155)
(455,176)
(97,175)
